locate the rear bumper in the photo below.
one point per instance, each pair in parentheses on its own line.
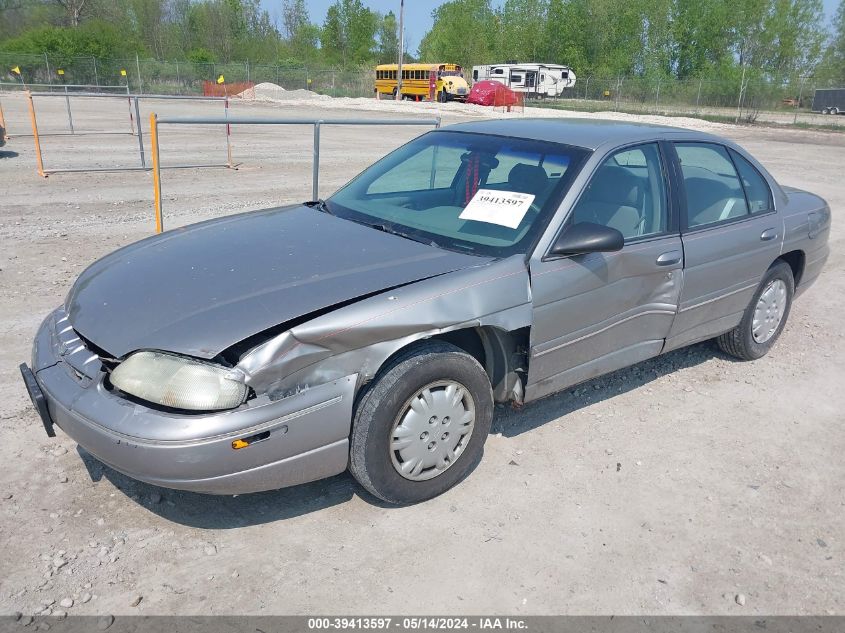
(307,433)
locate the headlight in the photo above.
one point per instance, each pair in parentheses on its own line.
(181,383)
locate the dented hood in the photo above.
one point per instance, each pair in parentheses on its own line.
(200,289)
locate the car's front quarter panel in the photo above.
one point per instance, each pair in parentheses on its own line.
(362,336)
(306,434)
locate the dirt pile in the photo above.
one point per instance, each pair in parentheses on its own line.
(268,91)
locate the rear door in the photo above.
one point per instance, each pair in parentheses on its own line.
(731,235)
(598,312)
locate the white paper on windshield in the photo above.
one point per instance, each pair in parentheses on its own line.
(505,208)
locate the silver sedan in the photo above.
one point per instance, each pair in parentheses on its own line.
(374,331)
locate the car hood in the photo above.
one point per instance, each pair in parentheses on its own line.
(201,289)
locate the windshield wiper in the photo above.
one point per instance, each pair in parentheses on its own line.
(320,205)
(386,229)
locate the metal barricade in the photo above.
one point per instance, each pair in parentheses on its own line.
(228,121)
(134,122)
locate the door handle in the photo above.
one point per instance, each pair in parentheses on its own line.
(768,234)
(669,258)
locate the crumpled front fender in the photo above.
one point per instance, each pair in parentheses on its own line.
(365,334)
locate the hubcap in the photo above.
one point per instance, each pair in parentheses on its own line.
(432,430)
(769,311)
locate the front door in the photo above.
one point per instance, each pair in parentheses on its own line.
(598,312)
(731,235)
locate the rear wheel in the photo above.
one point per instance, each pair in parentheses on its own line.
(421,426)
(764,318)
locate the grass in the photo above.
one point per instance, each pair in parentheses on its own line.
(831,127)
(591,106)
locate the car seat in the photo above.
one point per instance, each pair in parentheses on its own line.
(611,199)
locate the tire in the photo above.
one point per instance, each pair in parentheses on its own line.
(834,110)
(741,342)
(384,417)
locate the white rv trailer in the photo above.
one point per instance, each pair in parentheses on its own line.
(534,80)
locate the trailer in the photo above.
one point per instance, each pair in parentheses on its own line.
(532,79)
(829,101)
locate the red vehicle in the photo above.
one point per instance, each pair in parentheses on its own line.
(493,93)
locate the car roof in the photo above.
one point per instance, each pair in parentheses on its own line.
(586,133)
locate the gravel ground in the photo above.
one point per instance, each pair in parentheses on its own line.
(690,483)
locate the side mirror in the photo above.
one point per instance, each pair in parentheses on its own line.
(586,237)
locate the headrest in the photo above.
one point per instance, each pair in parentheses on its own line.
(528,179)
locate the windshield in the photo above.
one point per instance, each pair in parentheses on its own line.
(477,193)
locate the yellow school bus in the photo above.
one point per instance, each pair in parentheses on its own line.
(444,82)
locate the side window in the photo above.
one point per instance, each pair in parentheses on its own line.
(756,188)
(713,190)
(627,193)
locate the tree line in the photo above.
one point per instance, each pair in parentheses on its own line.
(652,38)
(200,31)
(649,38)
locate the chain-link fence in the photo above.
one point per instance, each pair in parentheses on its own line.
(783,101)
(146,76)
(776,100)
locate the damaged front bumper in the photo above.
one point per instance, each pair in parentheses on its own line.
(301,438)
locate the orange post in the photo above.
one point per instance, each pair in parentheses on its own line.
(3,121)
(35,134)
(156,171)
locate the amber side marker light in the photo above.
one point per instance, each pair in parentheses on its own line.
(244,442)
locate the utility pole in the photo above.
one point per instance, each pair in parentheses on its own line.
(401,49)
(140,82)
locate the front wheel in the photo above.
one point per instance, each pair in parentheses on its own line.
(764,318)
(420,427)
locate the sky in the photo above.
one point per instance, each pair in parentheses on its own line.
(417,14)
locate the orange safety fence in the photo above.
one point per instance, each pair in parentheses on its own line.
(214,89)
(509,101)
